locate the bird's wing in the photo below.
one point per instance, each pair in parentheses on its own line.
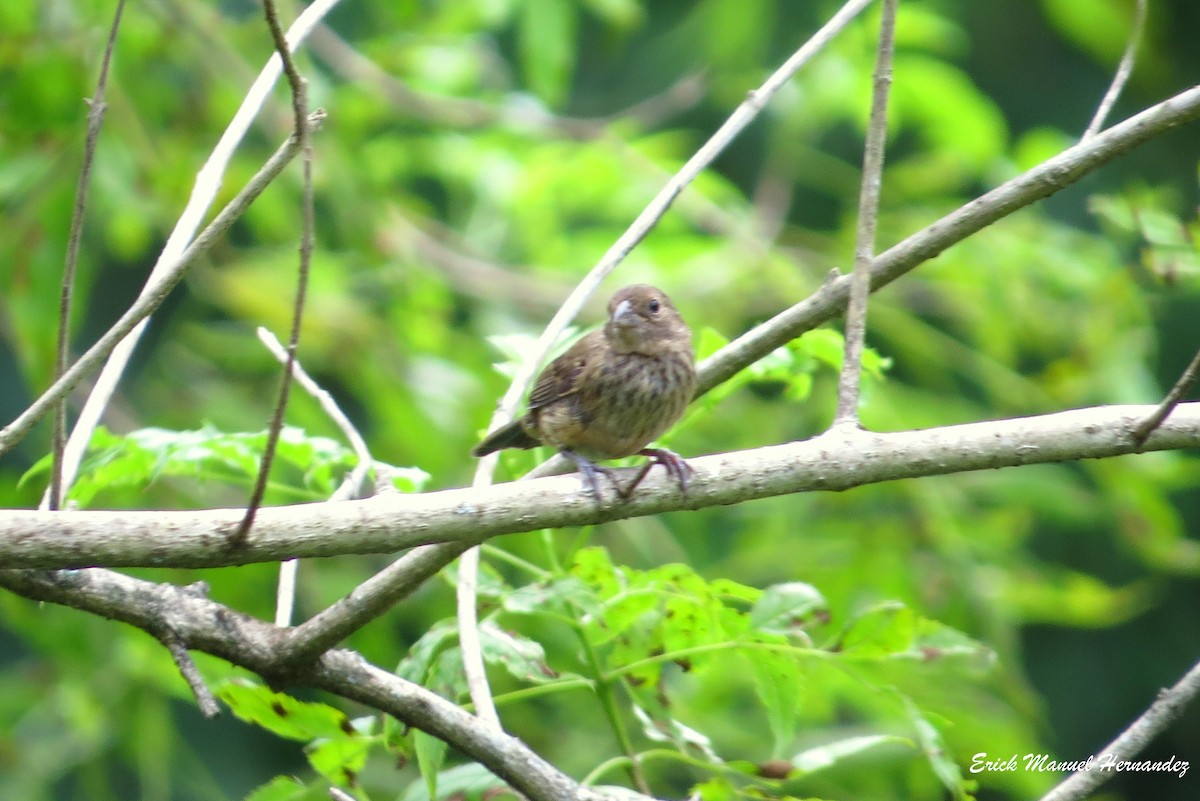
(561,376)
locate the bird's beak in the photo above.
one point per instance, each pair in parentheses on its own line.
(623,314)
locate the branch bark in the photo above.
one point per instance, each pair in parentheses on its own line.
(836,460)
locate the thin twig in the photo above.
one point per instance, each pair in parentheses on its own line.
(96,109)
(191,674)
(329,405)
(1124,70)
(474,669)
(302,134)
(1166,709)
(150,299)
(1145,428)
(285,594)
(868,217)
(204,192)
(368,601)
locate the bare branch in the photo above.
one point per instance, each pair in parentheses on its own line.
(218,630)
(468,640)
(1165,710)
(354,482)
(837,460)
(1147,426)
(368,601)
(304,140)
(96,109)
(187,668)
(868,217)
(1124,70)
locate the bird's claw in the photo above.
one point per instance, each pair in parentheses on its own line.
(675,465)
(677,468)
(589,472)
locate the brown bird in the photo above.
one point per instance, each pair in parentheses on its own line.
(612,392)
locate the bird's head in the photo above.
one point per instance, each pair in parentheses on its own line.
(642,319)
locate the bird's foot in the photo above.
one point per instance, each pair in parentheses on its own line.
(589,473)
(676,467)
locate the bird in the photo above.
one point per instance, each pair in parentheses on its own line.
(613,392)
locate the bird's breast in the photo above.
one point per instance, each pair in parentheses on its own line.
(625,403)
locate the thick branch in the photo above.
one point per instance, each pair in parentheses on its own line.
(208,626)
(386,523)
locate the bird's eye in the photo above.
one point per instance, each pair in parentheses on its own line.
(653,305)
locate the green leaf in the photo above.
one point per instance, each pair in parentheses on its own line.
(778,683)
(307,467)
(340,759)
(523,658)
(785,608)
(666,729)
(938,755)
(283,714)
(881,631)
(416,664)
(562,595)
(283,788)
(431,755)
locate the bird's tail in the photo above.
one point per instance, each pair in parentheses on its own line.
(512,435)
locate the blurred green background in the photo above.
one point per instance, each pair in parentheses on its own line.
(477,160)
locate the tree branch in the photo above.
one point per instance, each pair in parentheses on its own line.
(300,130)
(96,109)
(868,216)
(1124,70)
(1165,710)
(1042,181)
(1182,385)
(211,627)
(836,460)
(367,601)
